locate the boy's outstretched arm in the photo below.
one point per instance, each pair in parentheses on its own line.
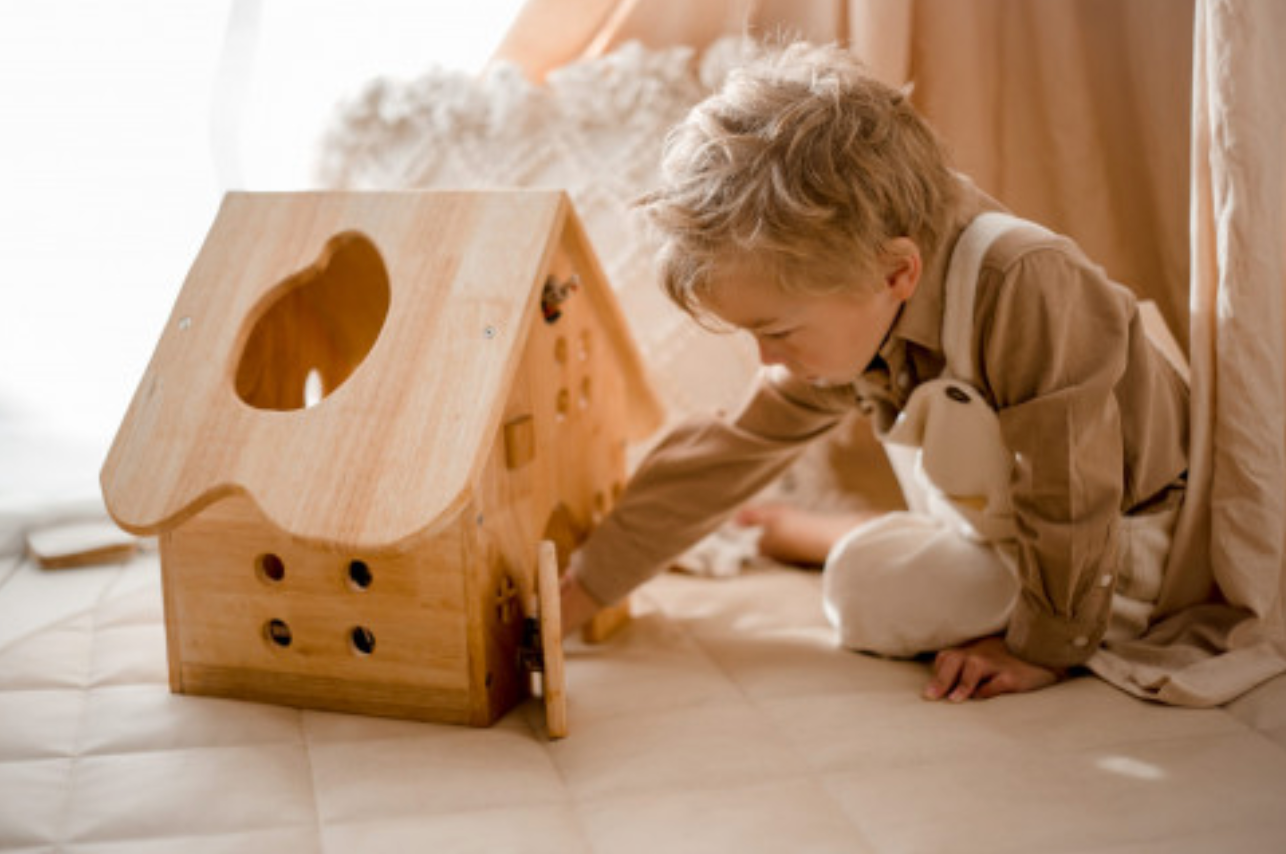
(695,478)
(985,668)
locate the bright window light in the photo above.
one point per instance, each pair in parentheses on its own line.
(122,123)
(309,54)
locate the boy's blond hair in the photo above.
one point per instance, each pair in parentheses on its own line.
(805,165)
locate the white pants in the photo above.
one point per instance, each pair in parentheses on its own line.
(908,583)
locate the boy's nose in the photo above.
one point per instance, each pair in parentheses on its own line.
(768,353)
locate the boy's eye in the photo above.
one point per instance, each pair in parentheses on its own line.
(776,336)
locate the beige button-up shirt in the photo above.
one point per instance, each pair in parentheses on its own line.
(1095,417)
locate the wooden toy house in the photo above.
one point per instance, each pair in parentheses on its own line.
(365,413)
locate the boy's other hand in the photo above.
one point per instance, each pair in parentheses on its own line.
(984,668)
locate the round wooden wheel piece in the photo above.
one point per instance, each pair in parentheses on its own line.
(554,679)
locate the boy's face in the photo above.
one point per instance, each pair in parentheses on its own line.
(823,339)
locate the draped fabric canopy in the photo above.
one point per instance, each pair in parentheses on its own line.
(1074,114)
(1238,221)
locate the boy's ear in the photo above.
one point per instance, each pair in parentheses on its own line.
(902,267)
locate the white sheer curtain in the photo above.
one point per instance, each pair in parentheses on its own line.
(121,124)
(107,191)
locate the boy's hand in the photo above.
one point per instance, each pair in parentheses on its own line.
(577,605)
(984,668)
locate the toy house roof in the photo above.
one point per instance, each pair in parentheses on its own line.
(433,292)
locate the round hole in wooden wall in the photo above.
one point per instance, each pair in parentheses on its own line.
(362,639)
(359,575)
(560,350)
(562,404)
(270,568)
(278,633)
(586,393)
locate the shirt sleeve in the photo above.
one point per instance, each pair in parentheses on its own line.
(693,480)
(1054,338)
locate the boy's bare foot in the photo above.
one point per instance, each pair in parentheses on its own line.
(794,535)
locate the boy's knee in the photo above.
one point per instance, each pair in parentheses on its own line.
(906,583)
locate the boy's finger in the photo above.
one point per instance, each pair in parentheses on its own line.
(970,675)
(946,671)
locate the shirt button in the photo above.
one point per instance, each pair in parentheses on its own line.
(904,380)
(1106,580)
(1080,641)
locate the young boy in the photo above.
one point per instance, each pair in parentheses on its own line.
(810,206)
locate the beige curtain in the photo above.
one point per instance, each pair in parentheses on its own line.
(1233,526)
(1074,113)
(1238,475)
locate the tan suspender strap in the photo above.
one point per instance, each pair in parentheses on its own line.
(962,282)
